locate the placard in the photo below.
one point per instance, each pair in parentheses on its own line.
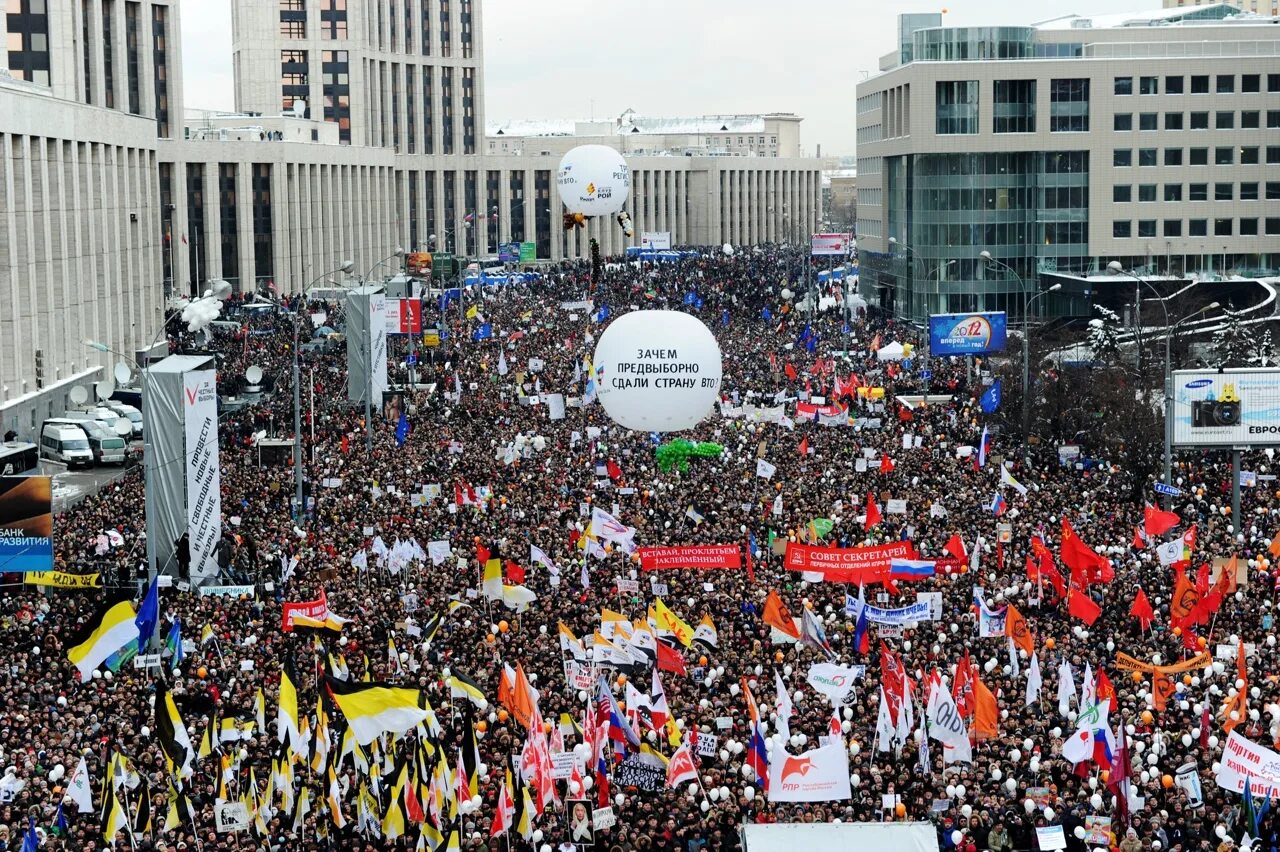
(659,589)
(644,776)
(896,507)
(1051,837)
(603,818)
(707,745)
(229,816)
(226,591)
(724,723)
(146,661)
(562,763)
(579,676)
(632,586)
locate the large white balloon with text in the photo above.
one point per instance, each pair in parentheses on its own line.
(593,180)
(657,371)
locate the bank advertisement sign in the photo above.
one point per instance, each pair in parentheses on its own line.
(967,334)
(1224,408)
(26,523)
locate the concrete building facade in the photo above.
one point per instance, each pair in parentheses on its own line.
(359,129)
(1149,139)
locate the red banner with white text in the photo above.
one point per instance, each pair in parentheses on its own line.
(317,609)
(848,564)
(702,558)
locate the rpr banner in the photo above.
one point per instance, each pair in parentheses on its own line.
(703,558)
(848,564)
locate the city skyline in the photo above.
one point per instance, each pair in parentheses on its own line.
(762,59)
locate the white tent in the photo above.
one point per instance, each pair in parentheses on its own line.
(893,352)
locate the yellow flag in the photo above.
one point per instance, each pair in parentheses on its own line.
(473,311)
(671,622)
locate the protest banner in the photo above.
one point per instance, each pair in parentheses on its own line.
(317,610)
(227,591)
(703,558)
(1244,762)
(865,565)
(633,772)
(818,775)
(901,616)
(62,580)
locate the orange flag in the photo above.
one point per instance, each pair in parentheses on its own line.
(1162,688)
(777,615)
(521,700)
(1015,627)
(1239,703)
(1275,545)
(1185,598)
(1227,582)
(987,713)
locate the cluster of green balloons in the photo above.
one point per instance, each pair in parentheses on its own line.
(676,453)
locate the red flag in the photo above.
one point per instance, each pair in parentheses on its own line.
(515,573)
(1141,609)
(962,689)
(1138,541)
(346,444)
(482,554)
(790,371)
(873,512)
(1202,579)
(1081,606)
(886,464)
(1047,571)
(751,570)
(671,660)
(1104,689)
(904,414)
(1081,559)
(615,472)
(1206,725)
(955,546)
(804,446)
(1157,521)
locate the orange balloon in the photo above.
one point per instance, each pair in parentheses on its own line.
(702,661)
(777,657)
(546,727)
(1137,677)
(1200,640)
(900,809)
(622,680)
(1186,680)
(1177,631)
(489,638)
(482,726)
(202,672)
(1166,781)
(503,627)
(503,715)
(1146,717)
(1106,775)
(1049,643)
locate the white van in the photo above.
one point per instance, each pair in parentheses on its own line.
(67,443)
(109,419)
(107,446)
(133,415)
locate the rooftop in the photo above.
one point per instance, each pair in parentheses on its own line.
(632,122)
(1218,13)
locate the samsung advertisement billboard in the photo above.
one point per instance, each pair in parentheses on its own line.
(1226,408)
(967,334)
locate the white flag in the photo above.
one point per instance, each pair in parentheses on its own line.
(360,560)
(1066,688)
(1091,725)
(609,528)
(438,551)
(783,708)
(536,555)
(947,727)
(80,788)
(777,506)
(1033,681)
(1006,478)
(1015,668)
(1170,552)
(764,469)
(502,363)
(1088,687)
(885,731)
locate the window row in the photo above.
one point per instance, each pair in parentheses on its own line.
(1245,227)
(1222,120)
(1147,192)
(1223,155)
(1201,84)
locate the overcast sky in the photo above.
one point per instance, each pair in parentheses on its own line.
(576,58)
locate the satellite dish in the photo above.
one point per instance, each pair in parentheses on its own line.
(122,373)
(253,374)
(105,388)
(78,395)
(123,427)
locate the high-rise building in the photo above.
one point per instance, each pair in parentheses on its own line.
(358,129)
(1149,139)
(1260,7)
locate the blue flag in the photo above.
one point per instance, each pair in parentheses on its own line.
(724,317)
(402,429)
(31,840)
(60,821)
(484,332)
(766,315)
(601,315)
(174,641)
(148,614)
(990,400)
(803,339)
(811,345)
(690,298)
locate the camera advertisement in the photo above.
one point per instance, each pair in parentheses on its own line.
(1228,408)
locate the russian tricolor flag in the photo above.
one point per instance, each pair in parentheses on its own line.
(911,569)
(758,757)
(984,447)
(999,505)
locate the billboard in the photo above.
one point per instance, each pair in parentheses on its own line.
(404,316)
(418,263)
(967,334)
(837,244)
(204,488)
(528,252)
(509,252)
(655,239)
(1223,408)
(26,523)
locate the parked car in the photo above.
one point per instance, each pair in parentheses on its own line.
(106,445)
(66,443)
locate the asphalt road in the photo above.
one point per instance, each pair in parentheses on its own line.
(70,486)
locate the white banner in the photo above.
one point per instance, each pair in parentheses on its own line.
(820,775)
(1243,761)
(655,239)
(910,614)
(378,345)
(203,480)
(838,244)
(947,727)
(833,681)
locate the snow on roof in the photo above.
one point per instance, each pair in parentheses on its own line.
(630,122)
(1215,13)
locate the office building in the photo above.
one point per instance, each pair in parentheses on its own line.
(1150,139)
(1259,7)
(358,129)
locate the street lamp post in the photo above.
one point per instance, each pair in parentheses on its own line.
(1027,301)
(1116,268)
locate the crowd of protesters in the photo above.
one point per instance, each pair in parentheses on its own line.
(49,719)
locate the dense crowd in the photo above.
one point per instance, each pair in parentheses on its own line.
(49,719)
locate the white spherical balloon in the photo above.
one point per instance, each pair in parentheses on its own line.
(657,371)
(593,180)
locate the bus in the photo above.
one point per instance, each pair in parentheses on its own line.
(19,459)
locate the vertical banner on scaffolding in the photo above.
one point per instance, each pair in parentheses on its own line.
(366,343)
